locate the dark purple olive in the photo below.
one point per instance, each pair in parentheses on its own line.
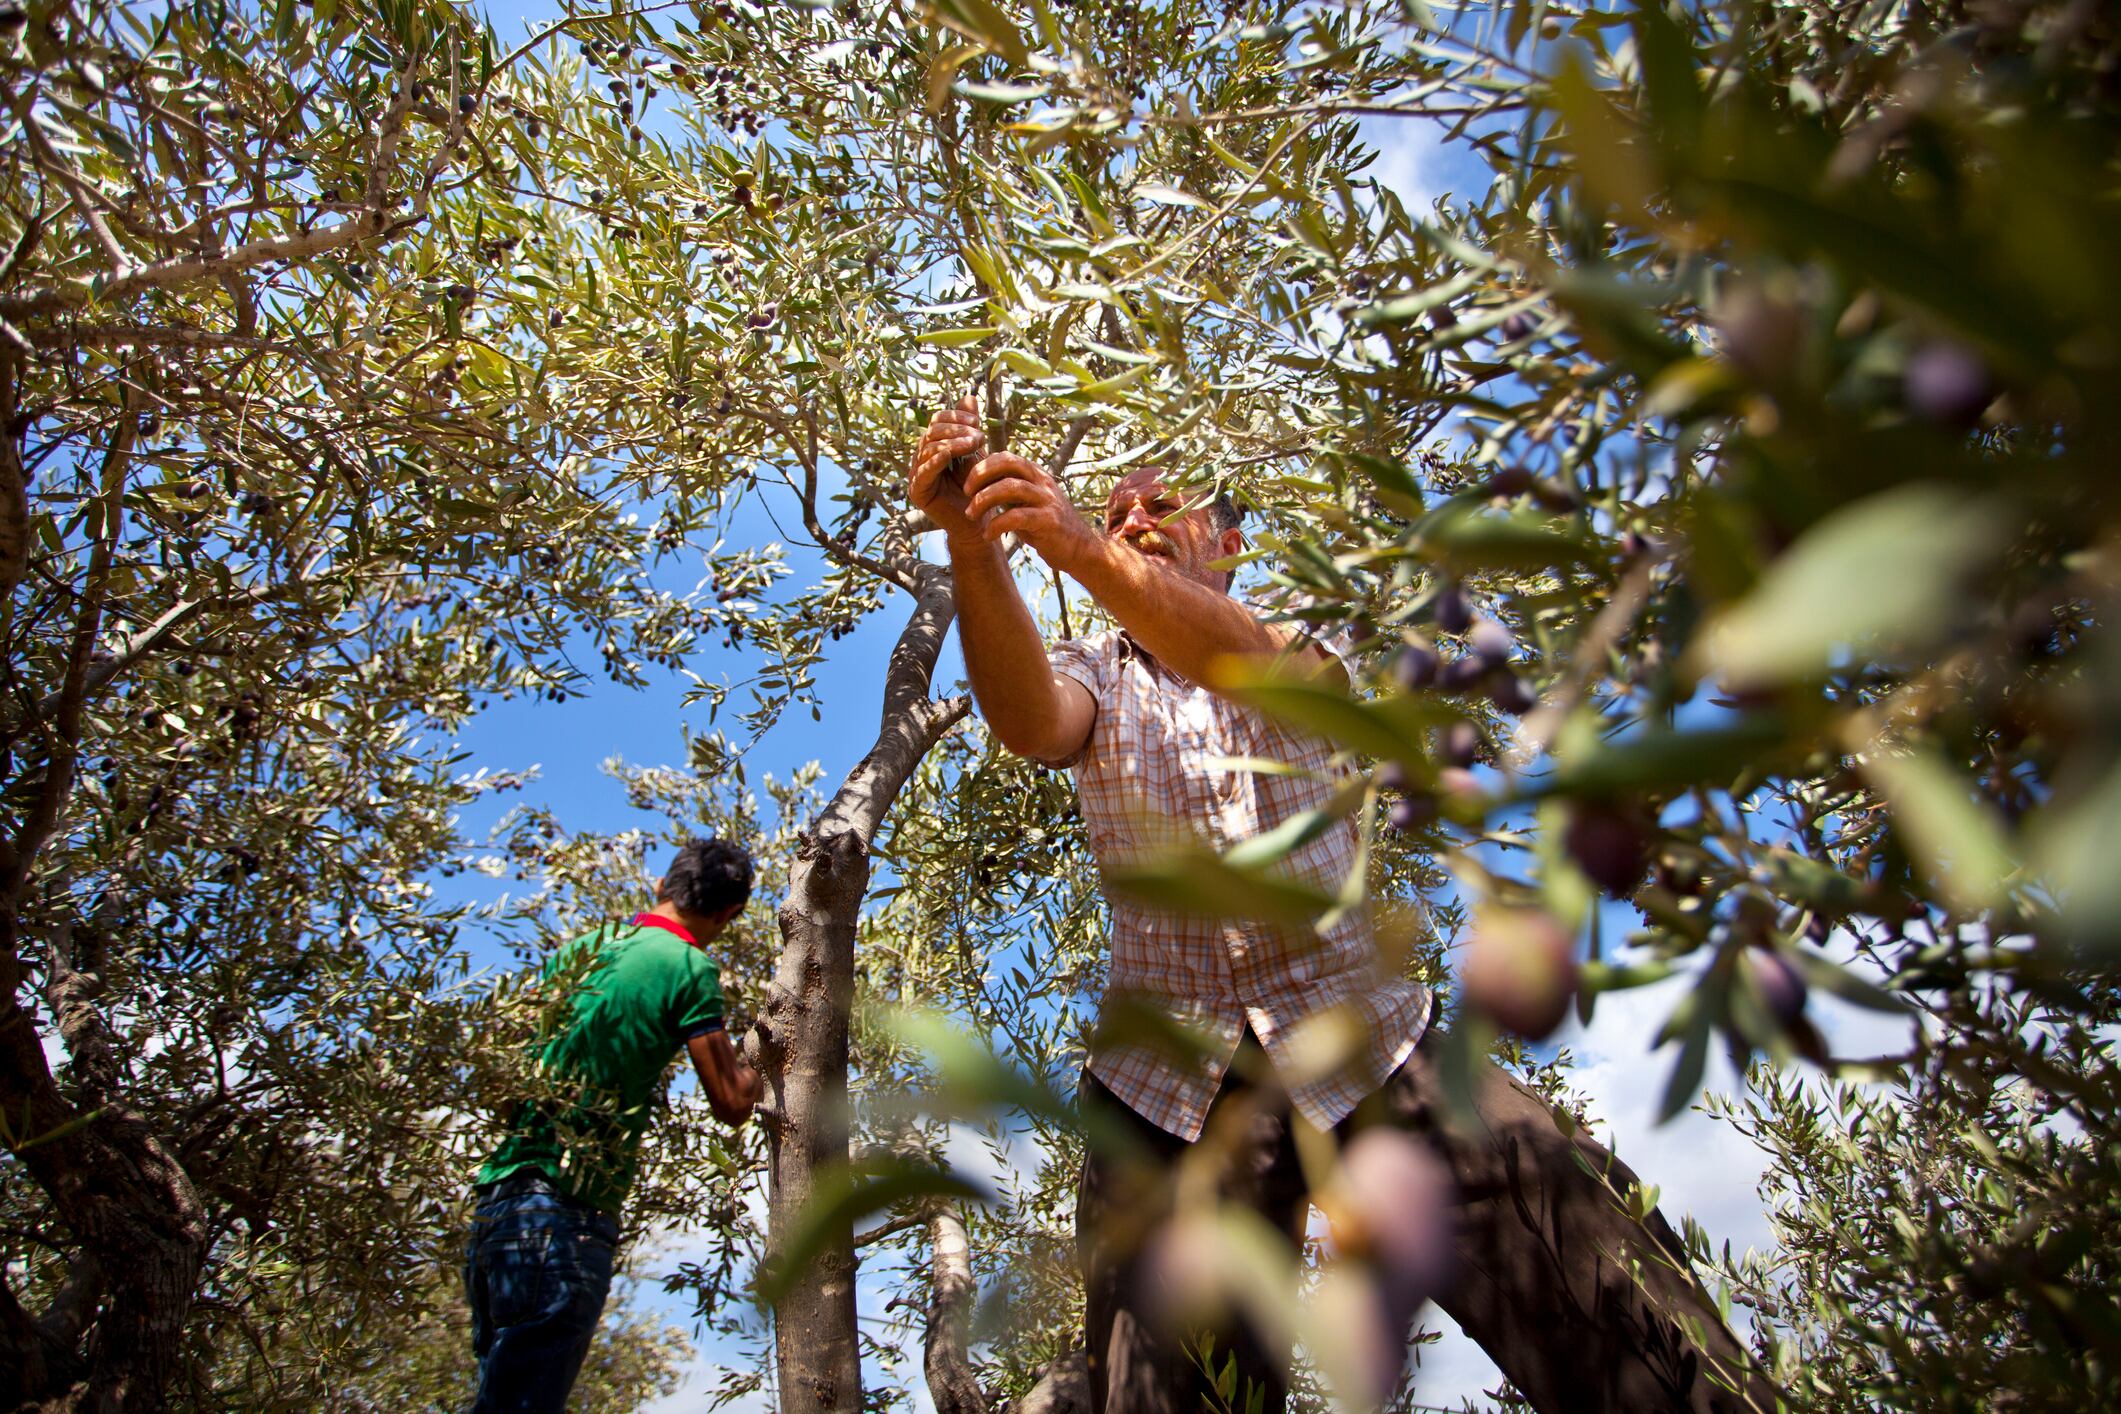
(1491,641)
(1609,844)
(1459,744)
(1411,812)
(1390,1206)
(1452,614)
(1441,318)
(467,105)
(1461,673)
(1948,384)
(1520,325)
(1414,666)
(1761,334)
(1508,691)
(1519,970)
(1510,481)
(1777,981)
(1392,776)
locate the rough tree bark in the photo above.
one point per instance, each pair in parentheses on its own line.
(802,1041)
(1064,1388)
(948,1362)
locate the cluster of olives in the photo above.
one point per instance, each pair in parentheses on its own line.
(242,715)
(1485,666)
(1510,482)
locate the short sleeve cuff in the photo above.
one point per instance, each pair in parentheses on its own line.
(701,1028)
(1072,660)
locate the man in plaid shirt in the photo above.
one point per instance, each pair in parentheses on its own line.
(1542,1258)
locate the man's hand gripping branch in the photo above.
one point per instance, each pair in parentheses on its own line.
(1149,568)
(1030,708)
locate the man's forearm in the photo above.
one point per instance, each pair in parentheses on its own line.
(1185,625)
(1004,656)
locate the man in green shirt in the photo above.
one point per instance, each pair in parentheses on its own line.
(546,1228)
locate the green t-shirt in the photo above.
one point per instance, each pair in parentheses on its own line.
(639,994)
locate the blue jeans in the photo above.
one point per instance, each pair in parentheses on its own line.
(537,1272)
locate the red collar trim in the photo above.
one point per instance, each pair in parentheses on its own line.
(657,920)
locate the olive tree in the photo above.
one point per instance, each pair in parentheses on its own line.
(295,416)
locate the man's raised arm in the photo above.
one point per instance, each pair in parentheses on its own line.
(1031,709)
(1147,567)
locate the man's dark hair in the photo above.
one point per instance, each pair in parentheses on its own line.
(708,877)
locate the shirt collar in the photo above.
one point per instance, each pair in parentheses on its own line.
(657,920)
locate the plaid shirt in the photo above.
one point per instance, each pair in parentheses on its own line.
(1152,774)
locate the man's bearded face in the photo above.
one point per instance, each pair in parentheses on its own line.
(1143,512)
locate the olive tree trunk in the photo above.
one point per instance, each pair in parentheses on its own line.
(802,1042)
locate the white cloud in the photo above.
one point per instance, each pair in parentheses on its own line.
(1409,160)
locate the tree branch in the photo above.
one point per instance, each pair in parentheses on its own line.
(58,782)
(951,1382)
(14,485)
(1063,1389)
(1071,438)
(165,274)
(890,1227)
(49,161)
(119,336)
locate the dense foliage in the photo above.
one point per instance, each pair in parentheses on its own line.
(279,464)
